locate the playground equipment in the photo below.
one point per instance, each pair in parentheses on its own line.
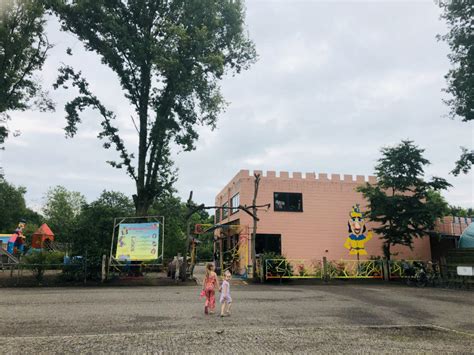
(43,238)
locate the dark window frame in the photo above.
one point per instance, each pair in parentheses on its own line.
(287,201)
(234,209)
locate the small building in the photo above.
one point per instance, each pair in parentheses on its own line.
(307,219)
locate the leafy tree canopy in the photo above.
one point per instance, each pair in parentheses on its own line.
(404,205)
(61,210)
(460,79)
(169,57)
(13,208)
(175,212)
(96,222)
(458,211)
(23,49)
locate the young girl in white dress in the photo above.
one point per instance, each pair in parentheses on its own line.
(225,299)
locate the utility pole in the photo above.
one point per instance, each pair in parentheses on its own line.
(255,219)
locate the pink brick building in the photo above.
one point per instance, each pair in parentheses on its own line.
(307,219)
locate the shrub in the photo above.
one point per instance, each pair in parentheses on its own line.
(40,261)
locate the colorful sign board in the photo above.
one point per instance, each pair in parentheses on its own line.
(138,241)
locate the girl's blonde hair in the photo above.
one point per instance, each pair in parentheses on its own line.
(227,273)
(209,266)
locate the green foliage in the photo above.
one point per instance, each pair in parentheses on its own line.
(23,51)
(460,38)
(39,262)
(61,210)
(460,78)
(460,211)
(175,212)
(403,204)
(464,163)
(205,249)
(93,231)
(169,57)
(13,208)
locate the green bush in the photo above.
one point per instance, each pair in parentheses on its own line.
(40,261)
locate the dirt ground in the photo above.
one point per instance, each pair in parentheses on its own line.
(266,319)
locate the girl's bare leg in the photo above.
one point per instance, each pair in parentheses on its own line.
(223,309)
(229,305)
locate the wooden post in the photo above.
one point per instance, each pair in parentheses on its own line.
(103,274)
(85,269)
(325,269)
(221,257)
(254,231)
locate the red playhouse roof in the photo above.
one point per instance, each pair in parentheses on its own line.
(44,230)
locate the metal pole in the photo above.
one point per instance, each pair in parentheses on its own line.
(163,241)
(111,249)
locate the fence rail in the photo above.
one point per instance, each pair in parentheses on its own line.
(292,269)
(341,269)
(353,269)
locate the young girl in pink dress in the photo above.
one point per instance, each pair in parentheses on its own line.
(209,286)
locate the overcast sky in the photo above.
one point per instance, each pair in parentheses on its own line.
(335,81)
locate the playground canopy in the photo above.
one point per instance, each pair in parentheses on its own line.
(43,234)
(467,237)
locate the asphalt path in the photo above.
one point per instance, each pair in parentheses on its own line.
(368,318)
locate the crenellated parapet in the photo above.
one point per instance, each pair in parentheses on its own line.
(323,177)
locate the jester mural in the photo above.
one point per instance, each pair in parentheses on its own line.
(357,238)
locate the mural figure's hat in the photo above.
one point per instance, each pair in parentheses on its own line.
(355,212)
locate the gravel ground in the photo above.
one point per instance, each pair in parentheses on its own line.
(266,319)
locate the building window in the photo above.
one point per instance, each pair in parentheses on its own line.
(234,203)
(288,201)
(225,211)
(218,215)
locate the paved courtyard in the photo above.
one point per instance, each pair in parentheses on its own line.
(267,318)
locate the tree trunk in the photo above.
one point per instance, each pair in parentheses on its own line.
(142,203)
(254,231)
(386,250)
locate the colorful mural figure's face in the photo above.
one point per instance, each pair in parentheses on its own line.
(356,221)
(356,240)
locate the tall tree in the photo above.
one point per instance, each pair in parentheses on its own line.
(61,210)
(169,57)
(23,49)
(402,203)
(459,17)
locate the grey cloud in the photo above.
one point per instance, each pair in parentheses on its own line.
(335,82)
